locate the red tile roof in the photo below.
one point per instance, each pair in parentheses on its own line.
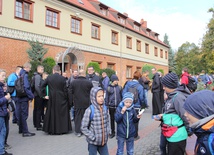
(93,6)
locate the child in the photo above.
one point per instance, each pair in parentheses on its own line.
(95,123)
(113,98)
(3,112)
(125,117)
(200,113)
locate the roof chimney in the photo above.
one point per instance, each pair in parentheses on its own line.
(141,21)
(144,24)
(126,14)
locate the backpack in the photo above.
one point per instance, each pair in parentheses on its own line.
(205,144)
(92,111)
(32,84)
(192,85)
(19,86)
(134,91)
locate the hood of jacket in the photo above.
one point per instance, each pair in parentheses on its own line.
(204,125)
(93,96)
(132,83)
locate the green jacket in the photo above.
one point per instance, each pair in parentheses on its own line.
(175,120)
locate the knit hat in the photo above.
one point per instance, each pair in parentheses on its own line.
(128,95)
(200,104)
(114,78)
(170,80)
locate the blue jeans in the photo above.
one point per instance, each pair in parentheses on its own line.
(129,145)
(93,149)
(2,134)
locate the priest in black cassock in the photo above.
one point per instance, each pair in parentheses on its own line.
(57,118)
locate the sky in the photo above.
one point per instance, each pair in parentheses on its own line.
(181,20)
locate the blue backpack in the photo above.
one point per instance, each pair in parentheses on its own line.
(205,145)
(92,111)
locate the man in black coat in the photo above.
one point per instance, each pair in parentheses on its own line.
(156,88)
(57,119)
(79,93)
(95,79)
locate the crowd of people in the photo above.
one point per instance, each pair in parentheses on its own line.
(96,103)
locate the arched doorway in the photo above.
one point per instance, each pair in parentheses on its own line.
(71,58)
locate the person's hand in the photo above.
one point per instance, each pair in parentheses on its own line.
(139,116)
(46,97)
(7,96)
(159,116)
(123,110)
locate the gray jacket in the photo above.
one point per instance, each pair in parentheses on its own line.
(93,129)
(174,103)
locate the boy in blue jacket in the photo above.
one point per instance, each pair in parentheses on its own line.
(125,117)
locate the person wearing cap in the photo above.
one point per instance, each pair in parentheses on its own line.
(200,113)
(113,98)
(174,114)
(126,117)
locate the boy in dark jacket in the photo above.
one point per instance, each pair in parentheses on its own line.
(95,123)
(125,117)
(200,113)
(113,98)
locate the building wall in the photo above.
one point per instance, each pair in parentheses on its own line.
(14,33)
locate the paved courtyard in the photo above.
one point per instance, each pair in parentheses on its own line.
(69,144)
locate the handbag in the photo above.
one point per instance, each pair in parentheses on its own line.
(168,130)
(11,105)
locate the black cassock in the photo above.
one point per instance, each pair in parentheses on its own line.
(57,118)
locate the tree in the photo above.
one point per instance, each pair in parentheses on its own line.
(208,45)
(171,62)
(36,52)
(188,55)
(148,68)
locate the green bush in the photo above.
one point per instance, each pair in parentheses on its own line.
(95,65)
(148,68)
(108,71)
(161,70)
(48,64)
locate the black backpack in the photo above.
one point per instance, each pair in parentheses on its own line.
(19,86)
(134,91)
(192,85)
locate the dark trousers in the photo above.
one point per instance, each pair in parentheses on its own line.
(129,145)
(78,115)
(14,120)
(156,103)
(163,144)
(177,148)
(7,118)
(136,124)
(22,115)
(111,113)
(37,111)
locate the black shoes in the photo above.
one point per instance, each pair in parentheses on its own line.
(28,134)
(6,153)
(136,138)
(111,135)
(6,146)
(39,129)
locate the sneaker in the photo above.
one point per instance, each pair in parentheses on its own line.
(7,146)
(78,134)
(136,138)
(111,135)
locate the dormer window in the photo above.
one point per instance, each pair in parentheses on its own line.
(148,31)
(103,9)
(156,36)
(122,18)
(137,28)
